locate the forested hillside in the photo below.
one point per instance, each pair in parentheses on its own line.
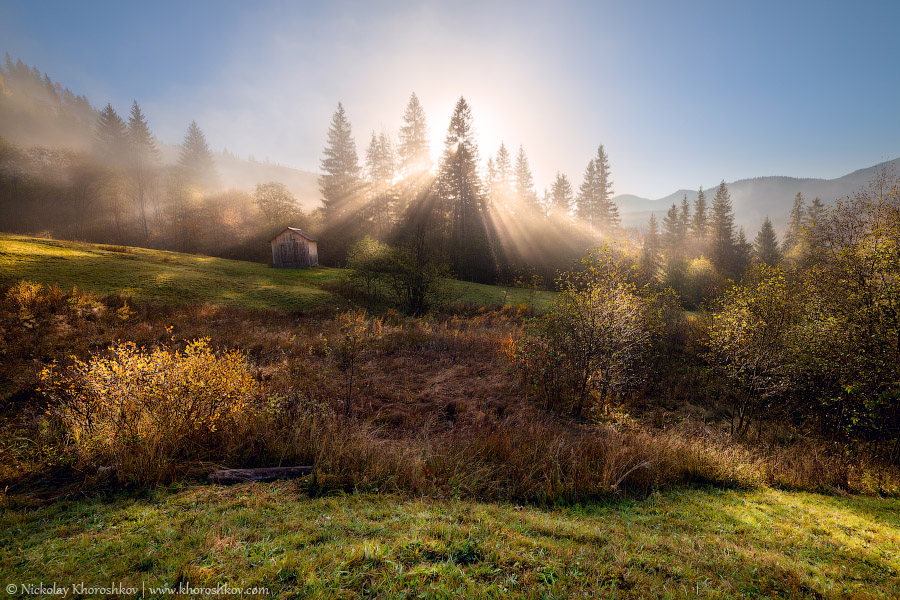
(755,199)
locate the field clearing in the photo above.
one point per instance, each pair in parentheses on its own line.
(178,278)
(706,543)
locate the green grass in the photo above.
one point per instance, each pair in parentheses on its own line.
(712,544)
(176,278)
(477,294)
(161,276)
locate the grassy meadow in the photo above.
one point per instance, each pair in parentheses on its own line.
(177,278)
(443,480)
(680,544)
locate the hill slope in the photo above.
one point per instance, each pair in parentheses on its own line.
(162,276)
(175,278)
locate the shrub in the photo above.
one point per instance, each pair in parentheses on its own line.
(366,263)
(750,341)
(590,342)
(695,281)
(357,334)
(28,299)
(411,276)
(151,414)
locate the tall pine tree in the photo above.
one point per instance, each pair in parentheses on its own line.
(765,246)
(561,197)
(502,194)
(380,173)
(794,234)
(339,182)
(198,168)
(650,251)
(608,212)
(724,253)
(111,137)
(143,162)
(588,202)
(684,217)
(524,184)
(414,150)
(463,202)
(700,222)
(673,237)
(812,222)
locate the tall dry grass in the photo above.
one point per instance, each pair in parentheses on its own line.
(148,414)
(435,409)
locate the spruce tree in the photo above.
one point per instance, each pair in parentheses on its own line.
(51,91)
(794,233)
(650,251)
(561,196)
(141,141)
(607,210)
(463,202)
(502,194)
(813,219)
(490,175)
(546,203)
(700,222)
(671,231)
(380,165)
(524,184)
(196,161)
(339,182)
(380,172)
(143,161)
(414,150)
(504,165)
(722,234)
(684,217)
(765,246)
(587,201)
(111,137)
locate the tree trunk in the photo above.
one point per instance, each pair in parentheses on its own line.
(230,476)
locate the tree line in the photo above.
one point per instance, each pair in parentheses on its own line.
(485,222)
(98,176)
(804,338)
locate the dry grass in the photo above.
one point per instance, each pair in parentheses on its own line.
(435,409)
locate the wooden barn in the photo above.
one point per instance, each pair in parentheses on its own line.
(294,249)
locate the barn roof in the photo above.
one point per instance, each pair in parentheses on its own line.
(311,238)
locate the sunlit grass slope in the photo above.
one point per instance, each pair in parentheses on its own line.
(174,277)
(711,544)
(162,276)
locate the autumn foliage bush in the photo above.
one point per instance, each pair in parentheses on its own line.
(592,341)
(153,413)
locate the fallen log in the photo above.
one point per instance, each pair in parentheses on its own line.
(230,476)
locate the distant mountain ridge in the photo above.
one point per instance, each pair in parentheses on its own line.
(754,199)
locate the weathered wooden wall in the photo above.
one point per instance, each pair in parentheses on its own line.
(292,250)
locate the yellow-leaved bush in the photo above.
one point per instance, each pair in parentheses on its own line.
(153,414)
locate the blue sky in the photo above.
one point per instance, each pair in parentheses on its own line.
(681,94)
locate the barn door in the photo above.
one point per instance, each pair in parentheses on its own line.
(304,255)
